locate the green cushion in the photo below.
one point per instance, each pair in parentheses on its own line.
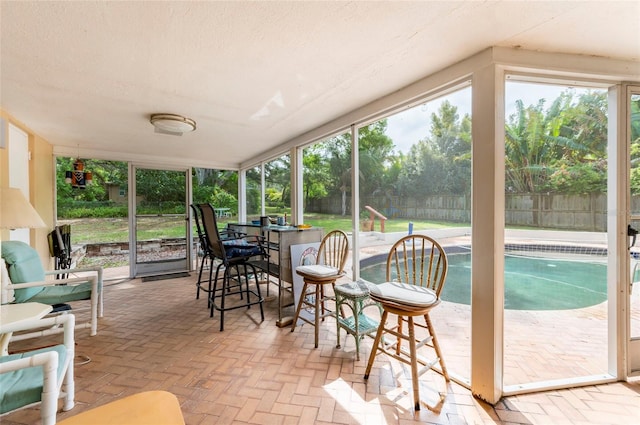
(23,263)
(24,386)
(60,294)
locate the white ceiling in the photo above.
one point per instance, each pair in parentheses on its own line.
(86,75)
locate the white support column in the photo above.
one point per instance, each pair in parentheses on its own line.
(131,195)
(355,200)
(297,198)
(263,190)
(242,196)
(187,208)
(487,239)
(618,214)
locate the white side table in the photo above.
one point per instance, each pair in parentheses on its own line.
(12,314)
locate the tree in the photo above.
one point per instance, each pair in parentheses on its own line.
(161,189)
(217,187)
(441,162)
(316,173)
(424,172)
(338,153)
(103,172)
(376,151)
(562,149)
(582,129)
(526,150)
(278,181)
(253,191)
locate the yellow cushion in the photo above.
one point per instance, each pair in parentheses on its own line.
(146,408)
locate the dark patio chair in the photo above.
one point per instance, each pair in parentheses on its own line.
(207,253)
(60,248)
(232,254)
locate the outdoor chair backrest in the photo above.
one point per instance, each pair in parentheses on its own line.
(333,250)
(60,248)
(210,227)
(204,243)
(418,260)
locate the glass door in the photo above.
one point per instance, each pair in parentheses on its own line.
(159,221)
(555,240)
(633,99)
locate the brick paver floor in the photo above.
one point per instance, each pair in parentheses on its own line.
(156,335)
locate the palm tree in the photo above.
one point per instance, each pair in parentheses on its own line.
(527,150)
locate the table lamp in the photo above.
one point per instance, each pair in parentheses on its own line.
(16,212)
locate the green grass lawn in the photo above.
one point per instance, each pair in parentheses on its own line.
(96,230)
(331,222)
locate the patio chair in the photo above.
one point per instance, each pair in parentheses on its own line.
(60,249)
(26,281)
(232,253)
(416,273)
(37,376)
(329,267)
(207,252)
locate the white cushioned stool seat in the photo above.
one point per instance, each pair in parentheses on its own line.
(403,294)
(319,270)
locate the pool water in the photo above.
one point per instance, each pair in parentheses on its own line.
(531,283)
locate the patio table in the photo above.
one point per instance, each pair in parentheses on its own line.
(13,314)
(355,295)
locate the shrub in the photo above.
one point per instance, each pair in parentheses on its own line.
(84,209)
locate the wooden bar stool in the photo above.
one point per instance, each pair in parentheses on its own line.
(416,272)
(329,267)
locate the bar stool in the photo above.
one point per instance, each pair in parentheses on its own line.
(416,272)
(232,253)
(329,267)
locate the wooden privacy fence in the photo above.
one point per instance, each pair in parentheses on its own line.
(549,211)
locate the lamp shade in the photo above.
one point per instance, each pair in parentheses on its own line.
(16,212)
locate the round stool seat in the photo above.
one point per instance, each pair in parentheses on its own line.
(404,296)
(318,272)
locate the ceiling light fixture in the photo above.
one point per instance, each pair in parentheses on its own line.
(172,124)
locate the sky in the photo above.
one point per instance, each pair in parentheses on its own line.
(412,125)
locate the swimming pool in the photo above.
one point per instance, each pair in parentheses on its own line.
(531,283)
